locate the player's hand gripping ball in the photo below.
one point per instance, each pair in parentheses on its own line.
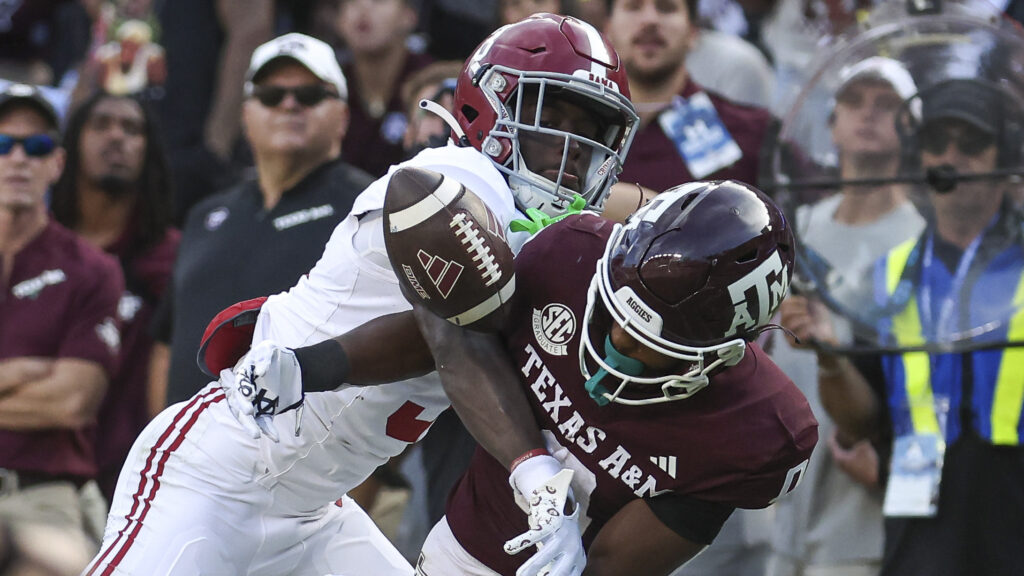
(448,249)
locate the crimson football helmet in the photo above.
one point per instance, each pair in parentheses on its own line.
(549,57)
(694,275)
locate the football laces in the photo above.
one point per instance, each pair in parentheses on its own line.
(470,237)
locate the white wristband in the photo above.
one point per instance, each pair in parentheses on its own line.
(531,473)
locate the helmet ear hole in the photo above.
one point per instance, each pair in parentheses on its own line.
(749,256)
(690,199)
(469,112)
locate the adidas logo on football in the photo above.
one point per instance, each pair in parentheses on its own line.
(443,273)
(666,463)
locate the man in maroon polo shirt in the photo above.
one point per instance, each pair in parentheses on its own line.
(686,132)
(59,337)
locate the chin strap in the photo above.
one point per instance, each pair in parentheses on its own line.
(614,359)
(446,116)
(539,220)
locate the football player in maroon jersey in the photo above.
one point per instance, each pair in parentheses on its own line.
(645,381)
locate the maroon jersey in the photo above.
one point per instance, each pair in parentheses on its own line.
(60,302)
(124,412)
(741,442)
(654,162)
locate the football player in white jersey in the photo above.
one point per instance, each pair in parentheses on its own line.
(541,125)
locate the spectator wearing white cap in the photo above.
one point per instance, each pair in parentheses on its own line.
(294,117)
(949,410)
(833,526)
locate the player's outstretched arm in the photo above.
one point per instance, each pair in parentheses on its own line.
(635,541)
(484,388)
(271,378)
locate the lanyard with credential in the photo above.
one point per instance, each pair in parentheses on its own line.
(939,329)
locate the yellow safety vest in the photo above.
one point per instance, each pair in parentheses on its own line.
(906,327)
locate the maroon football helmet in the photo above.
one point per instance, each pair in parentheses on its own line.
(547,57)
(694,275)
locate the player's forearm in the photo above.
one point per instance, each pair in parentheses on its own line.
(634,541)
(624,199)
(483,388)
(493,409)
(385,349)
(847,398)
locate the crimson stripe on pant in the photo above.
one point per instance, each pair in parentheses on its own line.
(204,401)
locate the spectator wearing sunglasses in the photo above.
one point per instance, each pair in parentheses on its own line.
(953,411)
(849,230)
(59,334)
(294,118)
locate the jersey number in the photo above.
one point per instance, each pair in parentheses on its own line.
(403,425)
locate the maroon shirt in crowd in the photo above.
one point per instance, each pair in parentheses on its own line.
(374,144)
(654,162)
(734,442)
(60,302)
(124,412)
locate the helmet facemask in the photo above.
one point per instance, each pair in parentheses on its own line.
(623,307)
(601,153)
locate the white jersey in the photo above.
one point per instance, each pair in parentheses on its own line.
(198,495)
(346,434)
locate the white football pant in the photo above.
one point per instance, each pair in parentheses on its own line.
(195,499)
(442,555)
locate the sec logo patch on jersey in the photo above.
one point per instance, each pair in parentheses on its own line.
(554,327)
(447,249)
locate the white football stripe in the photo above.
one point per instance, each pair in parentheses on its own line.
(598,49)
(487,306)
(425,208)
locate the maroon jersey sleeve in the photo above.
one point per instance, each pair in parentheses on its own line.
(773,433)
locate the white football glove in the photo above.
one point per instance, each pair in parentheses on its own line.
(264,383)
(556,535)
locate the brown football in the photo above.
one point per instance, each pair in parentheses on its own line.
(448,249)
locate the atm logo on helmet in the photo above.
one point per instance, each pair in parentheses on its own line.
(756,296)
